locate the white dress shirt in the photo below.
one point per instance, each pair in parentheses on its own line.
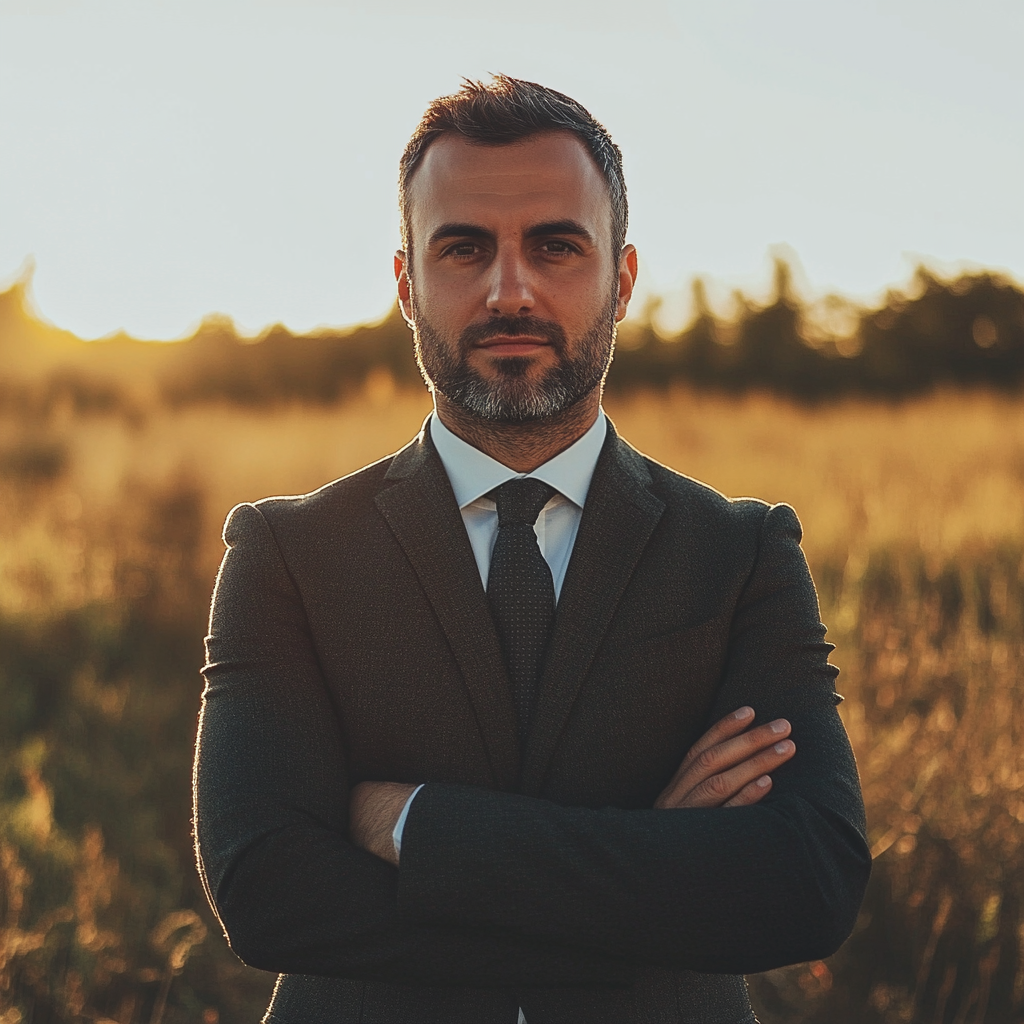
(473,475)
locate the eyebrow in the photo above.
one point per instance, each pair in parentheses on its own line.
(560,227)
(455,230)
(554,227)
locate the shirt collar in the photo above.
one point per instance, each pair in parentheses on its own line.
(473,473)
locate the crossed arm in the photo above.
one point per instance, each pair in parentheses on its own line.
(727,767)
(496,888)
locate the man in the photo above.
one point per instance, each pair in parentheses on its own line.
(537,625)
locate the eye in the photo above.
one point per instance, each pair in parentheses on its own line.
(462,250)
(557,247)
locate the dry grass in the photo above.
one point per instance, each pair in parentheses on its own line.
(944,474)
(914,528)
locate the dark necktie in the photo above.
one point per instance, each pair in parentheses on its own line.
(520,590)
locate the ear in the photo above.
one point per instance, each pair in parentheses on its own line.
(627,280)
(404,287)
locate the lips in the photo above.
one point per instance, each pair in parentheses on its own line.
(512,345)
(512,336)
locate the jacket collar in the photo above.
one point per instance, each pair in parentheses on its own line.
(420,509)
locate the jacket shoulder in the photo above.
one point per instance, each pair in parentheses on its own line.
(700,505)
(696,497)
(346,496)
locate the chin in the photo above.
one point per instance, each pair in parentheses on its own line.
(514,401)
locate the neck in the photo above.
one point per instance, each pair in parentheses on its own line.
(521,446)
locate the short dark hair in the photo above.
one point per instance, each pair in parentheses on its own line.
(506,110)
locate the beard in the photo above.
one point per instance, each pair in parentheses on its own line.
(511,396)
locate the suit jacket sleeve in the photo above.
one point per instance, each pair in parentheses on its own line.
(271,811)
(733,890)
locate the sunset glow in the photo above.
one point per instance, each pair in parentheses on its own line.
(164,162)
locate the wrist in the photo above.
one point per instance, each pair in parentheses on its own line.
(374,810)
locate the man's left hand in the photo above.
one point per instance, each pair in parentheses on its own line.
(373,812)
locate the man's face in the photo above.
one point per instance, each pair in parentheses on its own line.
(512,289)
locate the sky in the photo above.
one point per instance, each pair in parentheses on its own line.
(160,161)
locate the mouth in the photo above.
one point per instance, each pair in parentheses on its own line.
(512,345)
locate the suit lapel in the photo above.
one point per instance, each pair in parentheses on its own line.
(421,511)
(618,519)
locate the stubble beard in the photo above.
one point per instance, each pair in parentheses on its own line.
(511,396)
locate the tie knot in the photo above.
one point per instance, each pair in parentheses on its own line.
(520,501)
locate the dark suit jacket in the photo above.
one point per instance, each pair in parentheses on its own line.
(350,639)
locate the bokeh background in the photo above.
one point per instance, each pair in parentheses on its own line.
(827,202)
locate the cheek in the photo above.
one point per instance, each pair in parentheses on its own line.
(578,309)
(444,304)
(439,325)
(437,315)
(582,295)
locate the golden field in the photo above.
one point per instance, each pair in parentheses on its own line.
(109,541)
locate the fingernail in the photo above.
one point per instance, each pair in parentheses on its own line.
(780,725)
(764,782)
(784,747)
(742,713)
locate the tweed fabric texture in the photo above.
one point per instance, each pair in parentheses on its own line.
(350,639)
(520,589)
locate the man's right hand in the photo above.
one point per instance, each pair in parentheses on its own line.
(729,765)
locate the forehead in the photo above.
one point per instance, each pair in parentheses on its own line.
(550,176)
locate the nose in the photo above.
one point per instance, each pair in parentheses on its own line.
(510,290)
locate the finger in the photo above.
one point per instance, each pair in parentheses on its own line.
(748,773)
(719,789)
(722,730)
(723,756)
(738,749)
(751,793)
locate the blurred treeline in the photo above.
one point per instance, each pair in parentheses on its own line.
(968,330)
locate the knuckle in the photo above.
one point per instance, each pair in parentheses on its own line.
(715,787)
(707,760)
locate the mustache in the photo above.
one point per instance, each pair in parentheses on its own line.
(514,327)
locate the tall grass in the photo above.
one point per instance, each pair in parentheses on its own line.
(109,540)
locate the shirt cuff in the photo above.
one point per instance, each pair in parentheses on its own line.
(396,835)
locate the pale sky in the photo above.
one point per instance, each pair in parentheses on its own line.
(165,160)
